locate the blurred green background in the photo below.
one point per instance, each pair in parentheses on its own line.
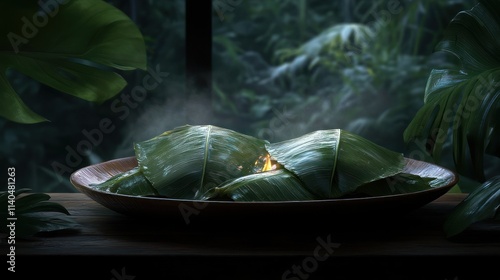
(279,69)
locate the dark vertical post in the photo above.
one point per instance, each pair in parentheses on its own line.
(198,46)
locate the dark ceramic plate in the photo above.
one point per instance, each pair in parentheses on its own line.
(186,210)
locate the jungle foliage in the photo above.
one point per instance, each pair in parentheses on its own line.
(380,69)
(280,69)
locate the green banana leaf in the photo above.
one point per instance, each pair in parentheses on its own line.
(480,205)
(207,162)
(463,100)
(188,161)
(132,182)
(282,185)
(334,163)
(72,46)
(274,185)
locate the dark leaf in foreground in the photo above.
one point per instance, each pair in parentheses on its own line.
(480,205)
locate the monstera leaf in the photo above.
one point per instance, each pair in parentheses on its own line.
(463,102)
(75,47)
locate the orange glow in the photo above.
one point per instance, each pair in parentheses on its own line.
(268,165)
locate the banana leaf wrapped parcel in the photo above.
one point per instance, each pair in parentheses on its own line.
(206,162)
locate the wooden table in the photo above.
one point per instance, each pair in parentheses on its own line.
(110,245)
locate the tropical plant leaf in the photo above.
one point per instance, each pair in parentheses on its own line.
(333,163)
(36,202)
(30,224)
(274,185)
(312,157)
(132,182)
(33,213)
(187,161)
(464,99)
(339,37)
(481,204)
(207,162)
(282,185)
(75,47)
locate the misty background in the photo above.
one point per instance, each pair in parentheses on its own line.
(280,69)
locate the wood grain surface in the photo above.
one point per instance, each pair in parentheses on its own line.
(398,246)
